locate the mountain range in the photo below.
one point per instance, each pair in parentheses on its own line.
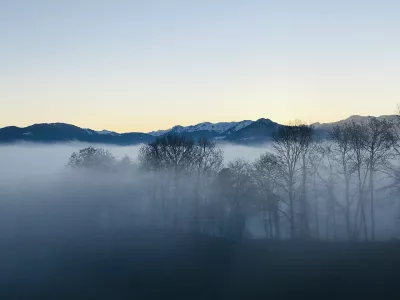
(243,132)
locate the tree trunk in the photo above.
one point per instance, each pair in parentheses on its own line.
(347,196)
(304,218)
(277,226)
(317,217)
(264,217)
(316,213)
(362,205)
(291,210)
(371,183)
(271,234)
(196,219)
(334,218)
(347,213)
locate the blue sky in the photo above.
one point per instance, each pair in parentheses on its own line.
(145,65)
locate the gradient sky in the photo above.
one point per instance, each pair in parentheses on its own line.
(151,64)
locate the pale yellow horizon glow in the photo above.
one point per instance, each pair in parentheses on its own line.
(141,66)
(123,107)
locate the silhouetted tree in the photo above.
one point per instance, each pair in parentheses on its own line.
(235,188)
(173,156)
(307,145)
(324,166)
(358,165)
(343,154)
(290,143)
(185,169)
(267,174)
(207,163)
(92,158)
(378,141)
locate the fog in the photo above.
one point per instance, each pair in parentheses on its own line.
(24,160)
(97,233)
(39,195)
(37,189)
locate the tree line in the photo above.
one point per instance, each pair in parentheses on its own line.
(302,187)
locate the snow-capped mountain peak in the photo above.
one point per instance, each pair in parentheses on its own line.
(101,132)
(238,126)
(218,128)
(106,132)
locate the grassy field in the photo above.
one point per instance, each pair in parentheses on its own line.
(151,264)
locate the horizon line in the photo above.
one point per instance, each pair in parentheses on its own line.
(178,125)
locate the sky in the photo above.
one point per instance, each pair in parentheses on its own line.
(143,65)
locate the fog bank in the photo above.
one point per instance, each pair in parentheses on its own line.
(39,195)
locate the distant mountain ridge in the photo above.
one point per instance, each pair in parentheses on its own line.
(353,118)
(219,128)
(243,132)
(61,132)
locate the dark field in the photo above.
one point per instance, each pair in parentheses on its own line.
(151,264)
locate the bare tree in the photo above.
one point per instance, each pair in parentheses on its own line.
(315,161)
(392,169)
(175,156)
(183,170)
(208,159)
(323,164)
(343,154)
(267,176)
(290,144)
(92,158)
(241,181)
(243,196)
(396,134)
(306,142)
(152,160)
(236,191)
(359,166)
(378,139)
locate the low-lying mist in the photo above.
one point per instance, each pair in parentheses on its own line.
(22,160)
(82,221)
(41,195)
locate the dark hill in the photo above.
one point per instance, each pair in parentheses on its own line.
(258,132)
(61,132)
